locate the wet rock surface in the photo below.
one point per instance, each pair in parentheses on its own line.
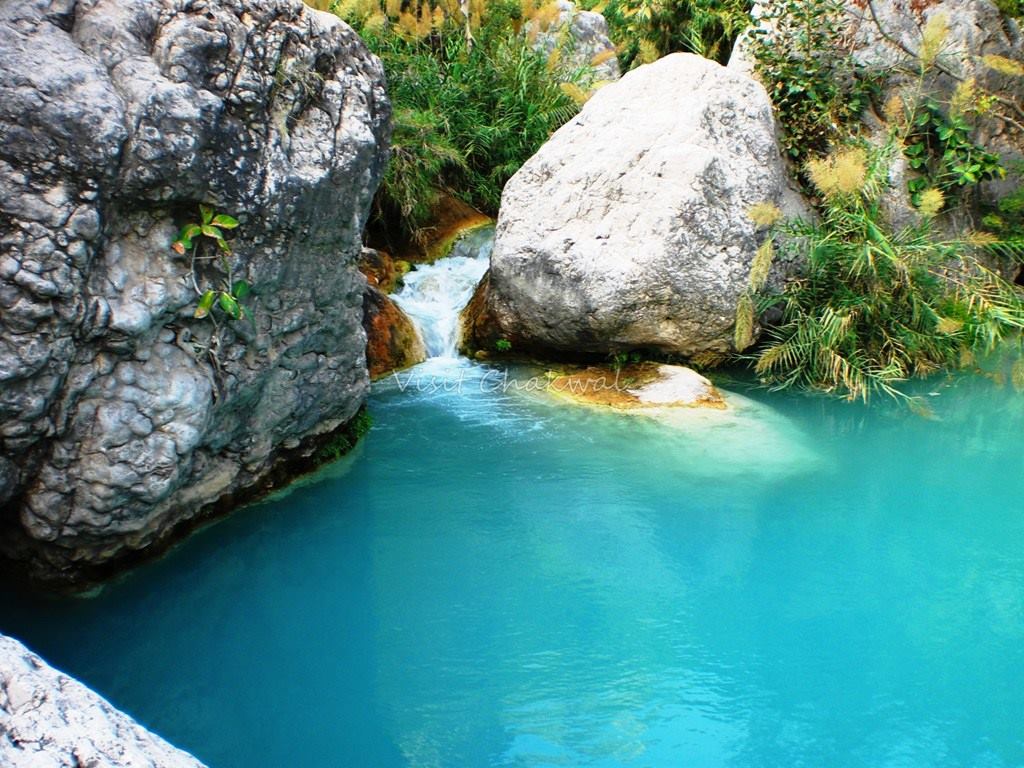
(392,341)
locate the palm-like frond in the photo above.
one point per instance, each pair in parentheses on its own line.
(876,306)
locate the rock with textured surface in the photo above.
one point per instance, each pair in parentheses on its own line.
(582,39)
(886,35)
(392,342)
(49,720)
(629,228)
(122,416)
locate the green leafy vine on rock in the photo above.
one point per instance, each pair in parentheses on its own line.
(228,295)
(816,87)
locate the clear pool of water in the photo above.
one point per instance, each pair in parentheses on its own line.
(493,579)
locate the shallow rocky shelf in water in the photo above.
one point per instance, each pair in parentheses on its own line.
(642,385)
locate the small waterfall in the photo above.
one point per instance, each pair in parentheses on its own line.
(435,294)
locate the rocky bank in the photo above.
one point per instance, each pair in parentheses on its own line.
(123,416)
(48,720)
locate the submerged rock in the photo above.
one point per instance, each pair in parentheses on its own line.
(629,228)
(647,385)
(49,720)
(121,415)
(713,433)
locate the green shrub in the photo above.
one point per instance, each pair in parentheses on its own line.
(1010,8)
(472,100)
(875,306)
(939,148)
(816,88)
(421,154)
(645,30)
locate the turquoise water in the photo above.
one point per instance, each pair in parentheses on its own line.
(493,579)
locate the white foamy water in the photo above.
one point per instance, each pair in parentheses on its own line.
(747,439)
(435,294)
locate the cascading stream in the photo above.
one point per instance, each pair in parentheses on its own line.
(435,294)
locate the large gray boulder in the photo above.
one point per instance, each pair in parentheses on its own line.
(122,417)
(49,720)
(629,228)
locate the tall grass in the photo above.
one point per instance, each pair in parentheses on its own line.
(875,306)
(645,30)
(473,99)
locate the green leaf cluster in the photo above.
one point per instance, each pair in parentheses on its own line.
(939,147)
(211,225)
(210,228)
(874,306)
(817,90)
(228,299)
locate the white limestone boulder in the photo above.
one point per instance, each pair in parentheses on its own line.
(629,229)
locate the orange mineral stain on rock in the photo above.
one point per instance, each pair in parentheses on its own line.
(643,385)
(451,218)
(382,271)
(392,342)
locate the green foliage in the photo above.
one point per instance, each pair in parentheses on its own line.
(876,307)
(620,360)
(421,156)
(939,147)
(816,88)
(645,30)
(503,345)
(1013,9)
(472,102)
(345,439)
(1006,223)
(227,296)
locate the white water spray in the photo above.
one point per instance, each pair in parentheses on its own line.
(435,294)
